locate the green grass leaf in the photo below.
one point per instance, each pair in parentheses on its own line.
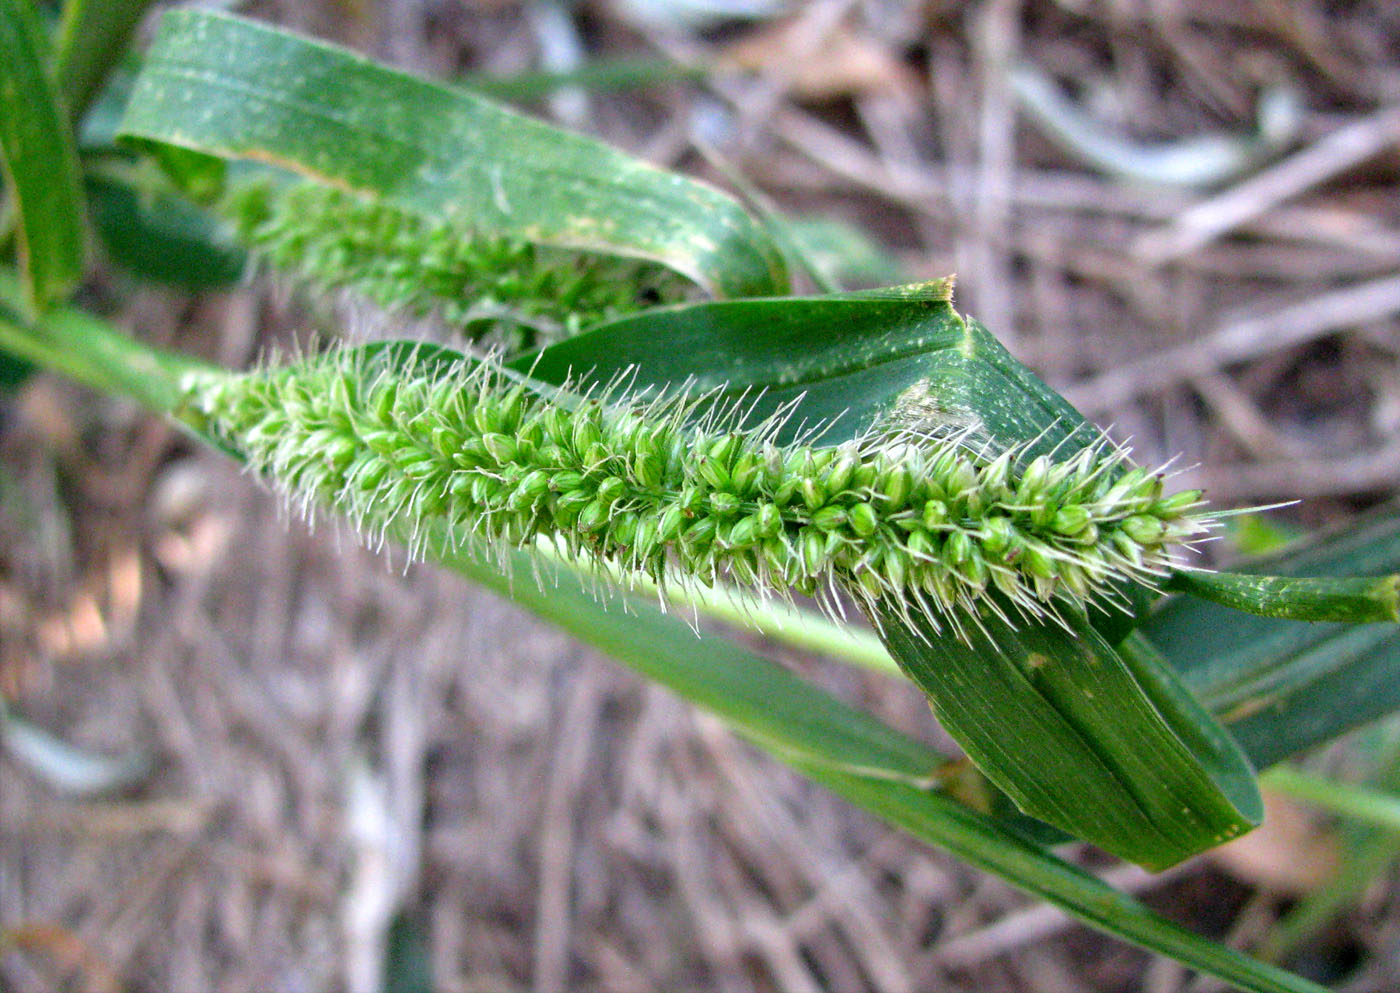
(40,164)
(1283,686)
(240,90)
(160,236)
(92,38)
(896,356)
(1109,748)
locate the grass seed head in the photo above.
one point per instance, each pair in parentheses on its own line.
(925,524)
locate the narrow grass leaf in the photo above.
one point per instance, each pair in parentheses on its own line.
(163,237)
(1111,751)
(1284,686)
(900,356)
(972,837)
(1345,599)
(242,90)
(40,164)
(92,37)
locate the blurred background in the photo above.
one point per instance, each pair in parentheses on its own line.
(311,768)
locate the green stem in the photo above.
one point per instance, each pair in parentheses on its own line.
(805,630)
(1348,600)
(1344,799)
(93,353)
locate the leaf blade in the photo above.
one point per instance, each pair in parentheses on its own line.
(1110,751)
(1283,686)
(40,163)
(238,89)
(93,34)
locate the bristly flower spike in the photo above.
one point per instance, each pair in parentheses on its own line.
(677,490)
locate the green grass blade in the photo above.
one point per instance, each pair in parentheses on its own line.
(92,37)
(1104,746)
(1284,686)
(802,726)
(772,707)
(40,164)
(844,358)
(241,90)
(849,360)
(163,237)
(1348,600)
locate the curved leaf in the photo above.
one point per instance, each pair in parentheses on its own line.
(900,355)
(237,89)
(163,237)
(1113,752)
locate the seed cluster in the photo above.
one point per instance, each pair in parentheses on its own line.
(926,524)
(479,286)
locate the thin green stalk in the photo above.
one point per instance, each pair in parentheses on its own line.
(1350,600)
(1357,803)
(91,352)
(793,626)
(1368,852)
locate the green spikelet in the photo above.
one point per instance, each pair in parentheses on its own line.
(518,293)
(930,524)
